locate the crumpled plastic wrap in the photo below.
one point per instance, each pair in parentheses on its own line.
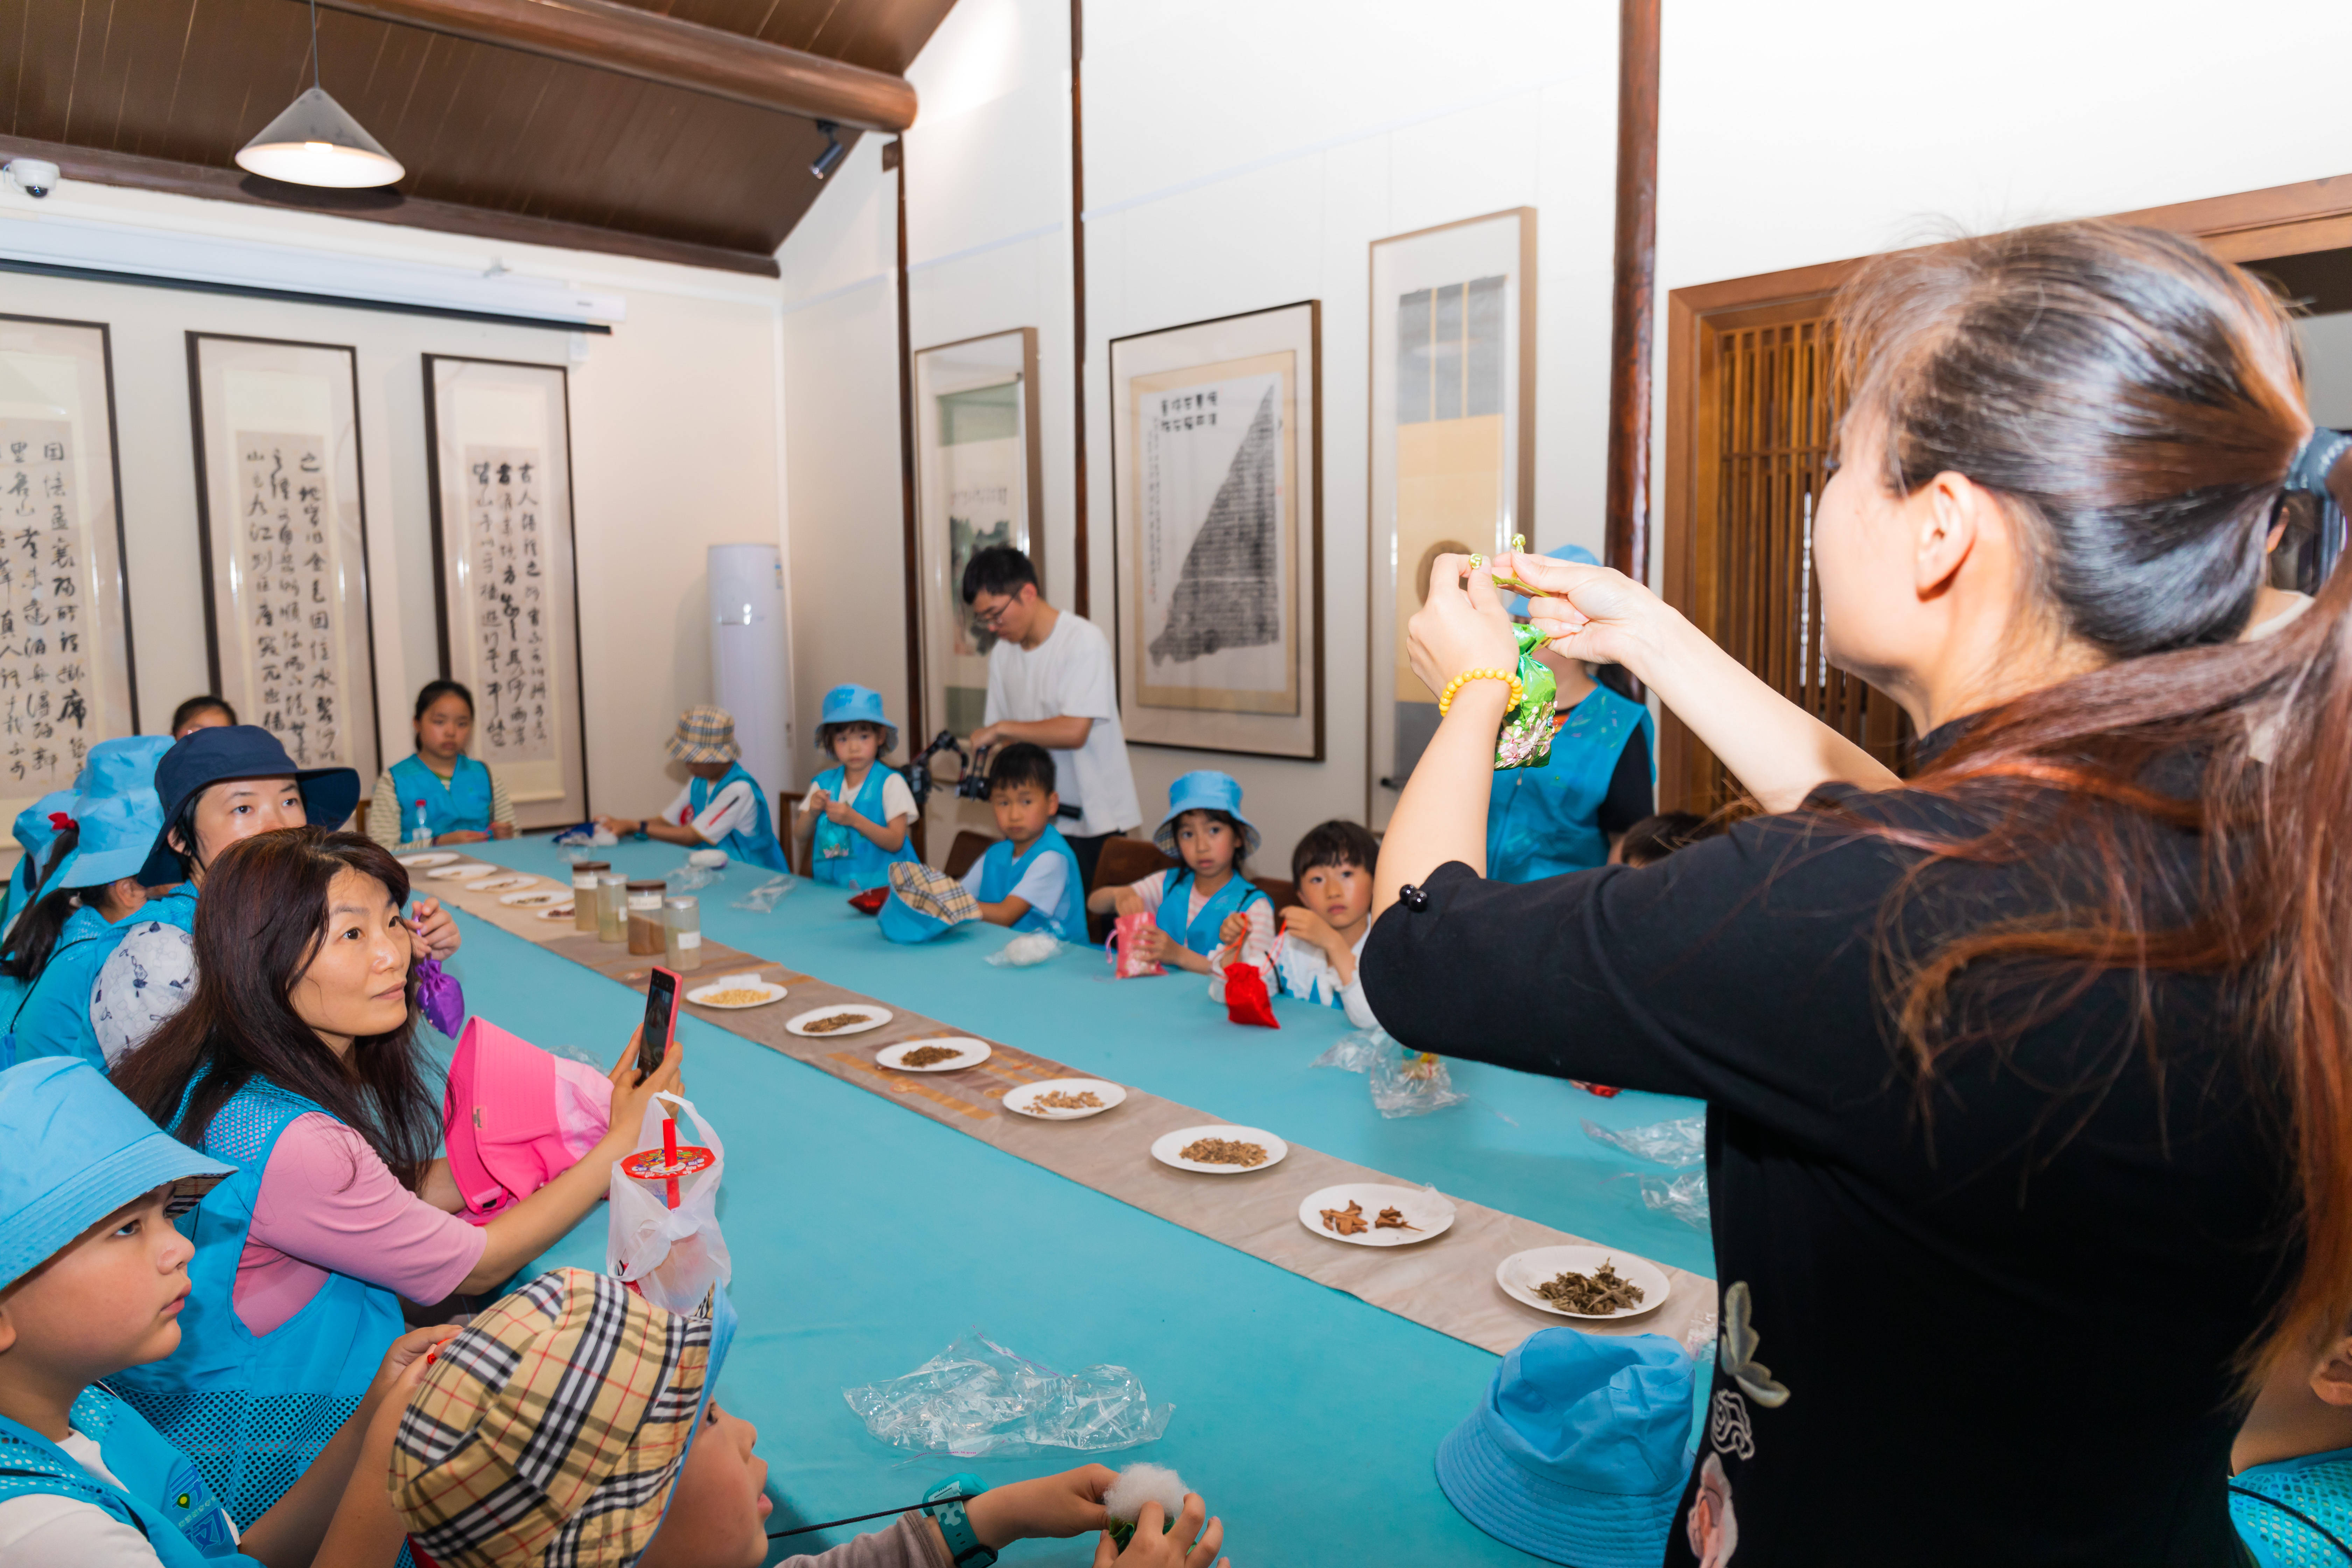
(977,1398)
(690,877)
(1679,1143)
(1683,1196)
(575,843)
(1410,1083)
(1354,1052)
(763,898)
(1029,947)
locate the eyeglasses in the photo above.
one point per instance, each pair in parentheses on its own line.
(989,618)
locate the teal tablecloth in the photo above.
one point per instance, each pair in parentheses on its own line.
(864,1239)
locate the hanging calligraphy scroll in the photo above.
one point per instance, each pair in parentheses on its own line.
(65,676)
(284,533)
(498,450)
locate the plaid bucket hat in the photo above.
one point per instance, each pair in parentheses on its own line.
(552,1431)
(705,734)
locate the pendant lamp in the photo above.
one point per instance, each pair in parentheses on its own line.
(317,142)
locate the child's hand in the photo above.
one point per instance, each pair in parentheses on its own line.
(1155,946)
(1127,901)
(838,813)
(615,827)
(1156,1546)
(1235,927)
(1050,1506)
(461,835)
(502,830)
(817,798)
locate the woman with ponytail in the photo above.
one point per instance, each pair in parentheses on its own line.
(2029,1077)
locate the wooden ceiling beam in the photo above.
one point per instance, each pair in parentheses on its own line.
(650,47)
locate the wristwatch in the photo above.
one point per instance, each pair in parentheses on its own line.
(944,1504)
(640,835)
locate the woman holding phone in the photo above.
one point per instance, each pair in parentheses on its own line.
(296,1060)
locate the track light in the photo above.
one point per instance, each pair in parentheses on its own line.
(830,159)
(317,142)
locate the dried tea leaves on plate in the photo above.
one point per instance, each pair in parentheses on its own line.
(1594,1294)
(1223,1152)
(921,1055)
(1063,1099)
(837,1021)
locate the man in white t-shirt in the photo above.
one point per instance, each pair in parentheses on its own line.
(1050,681)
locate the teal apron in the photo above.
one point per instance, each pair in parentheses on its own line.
(52,1018)
(161,1495)
(460,805)
(843,855)
(1000,873)
(1546,822)
(1200,933)
(253,1410)
(758,846)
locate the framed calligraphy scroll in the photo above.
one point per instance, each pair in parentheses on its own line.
(1217,547)
(283,534)
(67,680)
(497,443)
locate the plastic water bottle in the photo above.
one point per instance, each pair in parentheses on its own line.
(421,836)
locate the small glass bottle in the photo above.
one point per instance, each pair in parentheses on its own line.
(611,906)
(583,893)
(682,932)
(645,917)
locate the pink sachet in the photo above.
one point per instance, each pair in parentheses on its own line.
(1126,938)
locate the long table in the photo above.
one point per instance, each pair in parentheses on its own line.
(865,1238)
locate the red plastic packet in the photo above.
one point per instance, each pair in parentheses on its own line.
(870,901)
(1245,998)
(1602,1089)
(1126,936)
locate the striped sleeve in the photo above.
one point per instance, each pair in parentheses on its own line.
(383,813)
(502,808)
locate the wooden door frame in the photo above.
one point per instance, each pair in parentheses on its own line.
(2251,225)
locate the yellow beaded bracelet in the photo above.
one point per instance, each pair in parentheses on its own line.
(1445,698)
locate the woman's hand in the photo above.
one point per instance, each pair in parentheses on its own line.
(1461,626)
(1589,612)
(432,932)
(630,1098)
(461,835)
(1156,1546)
(408,1348)
(1050,1506)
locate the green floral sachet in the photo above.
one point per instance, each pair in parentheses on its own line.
(1526,740)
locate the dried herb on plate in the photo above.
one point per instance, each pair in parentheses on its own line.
(1393,1219)
(839,1021)
(1597,1293)
(928,1055)
(1063,1099)
(733,996)
(1349,1221)
(1223,1152)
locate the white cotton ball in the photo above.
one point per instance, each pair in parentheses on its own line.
(710,859)
(1140,1484)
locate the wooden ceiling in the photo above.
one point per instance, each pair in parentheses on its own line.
(496,141)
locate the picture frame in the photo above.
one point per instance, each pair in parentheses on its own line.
(281,528)
(1451,449)
(69,677)
(506,592)
(1217,535)
(980,481)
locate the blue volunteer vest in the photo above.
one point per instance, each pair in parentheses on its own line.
(1000,874)
(843,855)
(52,1019)
(460,805)
(161,1495)
(1546,822)
(253,1410)
(758,846)
(2287,1511)
(1201,935)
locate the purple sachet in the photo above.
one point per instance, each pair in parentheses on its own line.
(440,997)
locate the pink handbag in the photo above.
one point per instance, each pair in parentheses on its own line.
(1125,933)
(501,1121)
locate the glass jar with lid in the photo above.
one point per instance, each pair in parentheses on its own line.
(682,932)
(611,906)
(646,916)
(583,893)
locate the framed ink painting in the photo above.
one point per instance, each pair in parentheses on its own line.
(282,532)
(497,443)
(1217,542)
(67,680)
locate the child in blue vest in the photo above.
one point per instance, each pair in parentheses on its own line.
(439,794)
(1028,879)
(2291,1495)
(722,805)
(93,1273)
(1206,913)
(858,813)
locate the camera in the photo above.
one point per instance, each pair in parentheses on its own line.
(33,176)
(971,783)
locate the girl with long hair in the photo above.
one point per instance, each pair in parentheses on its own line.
(296,1060)
(2028,1077)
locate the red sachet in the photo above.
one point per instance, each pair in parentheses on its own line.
(1126,937)
(1602,1089)
(1245,998)
(869,902)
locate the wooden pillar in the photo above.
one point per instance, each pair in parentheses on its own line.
(894,157)
(1080,559)
(1633,289)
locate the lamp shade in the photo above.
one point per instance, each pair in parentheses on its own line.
(316,142)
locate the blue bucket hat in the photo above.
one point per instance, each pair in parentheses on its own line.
(35,834)
(1579,1449)
(77,1150)
(117,813)
(204,757)
(1576,552)
(853,704)
(1205,790)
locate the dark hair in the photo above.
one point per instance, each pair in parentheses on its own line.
(1335,843)
(1021,763)
(195,705)
(259,926)
(2136,403)
(999,568)
(1241,833)
(35,935)
(1654,838)
(436,690)
(883,734)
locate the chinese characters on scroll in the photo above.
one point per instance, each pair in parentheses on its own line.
(292,592)
(506,575)
(45,582)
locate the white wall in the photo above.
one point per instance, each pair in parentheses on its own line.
(675,429)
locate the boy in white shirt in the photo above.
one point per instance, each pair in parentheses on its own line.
(1323,934)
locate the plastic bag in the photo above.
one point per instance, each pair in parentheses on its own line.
(763,898)
(586,836)
(673,1256)
(1245,998)
(977,1398)
(1683,1196)
(1410,1083)
(691,876)
(1029,947)
(1681,1142)
(1354,1052)
(1126,935)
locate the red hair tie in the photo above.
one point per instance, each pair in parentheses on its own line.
(59,821)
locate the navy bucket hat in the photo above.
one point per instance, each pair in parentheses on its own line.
(202,758)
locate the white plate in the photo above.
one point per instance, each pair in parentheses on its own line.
(1024,1099)
(1427,1212)
(1521,1272)
(537,898)
(434,857)
(770,993)
(971,1053)
(497,884)
(875,1018)
(1164,1147)
(451,873)
(561,911)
